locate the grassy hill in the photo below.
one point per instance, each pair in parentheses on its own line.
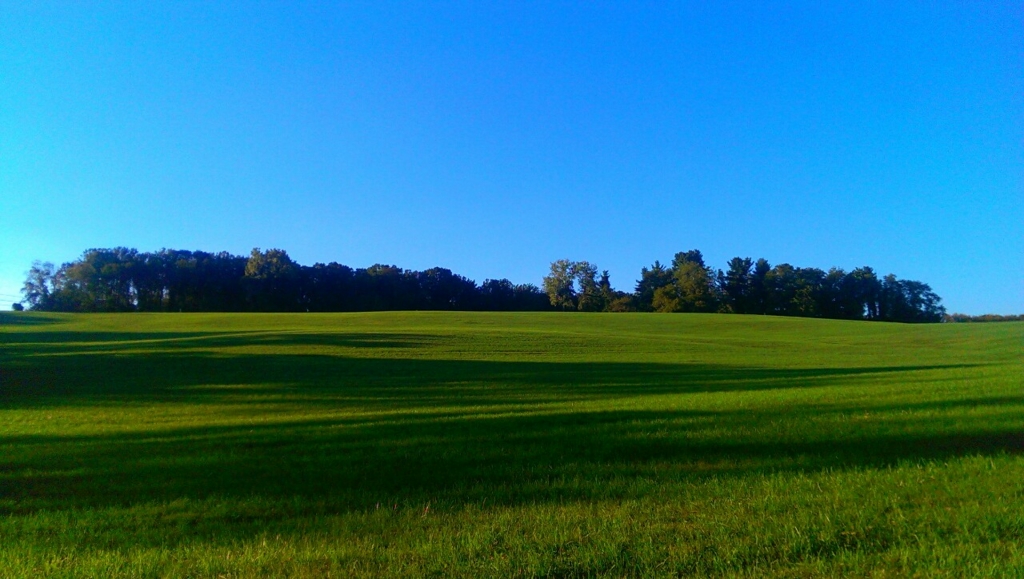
(527,444)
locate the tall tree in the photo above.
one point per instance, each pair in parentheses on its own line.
(497,295)
(40,285)
(759,301)
(809,293)
(589,298)
(909,301)
(831,303)
(735,285)
(272,278)
(864,292)
(443,290)
(694,283)
(651,280)
(558,284)
(796,291)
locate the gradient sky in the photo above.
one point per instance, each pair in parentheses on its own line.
(493,138)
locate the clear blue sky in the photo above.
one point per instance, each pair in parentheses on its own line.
(493,138)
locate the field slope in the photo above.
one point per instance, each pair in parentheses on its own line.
(482,444)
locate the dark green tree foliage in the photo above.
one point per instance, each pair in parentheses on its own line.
(329,288)
(692,287)
(121,279)
(440,289)
(736,286)
(863,293)
(504,296)
(528,297)
(100,281)
(651,280)
(212,282)
(272,282)
(613,300)
(784,290)
(173,280)
(796,291)
(501,293)
(910,301)
(830,295)
(760,294)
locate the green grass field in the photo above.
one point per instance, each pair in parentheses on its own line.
(528,444)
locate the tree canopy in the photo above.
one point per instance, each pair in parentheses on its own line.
(122,280)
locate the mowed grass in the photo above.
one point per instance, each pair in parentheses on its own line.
(527,444)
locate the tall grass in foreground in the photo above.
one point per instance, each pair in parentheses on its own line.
(462,444)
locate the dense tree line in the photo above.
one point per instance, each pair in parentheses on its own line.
(121,279)
(747,287)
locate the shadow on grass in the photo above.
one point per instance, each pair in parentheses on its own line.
(70,343)
(343,464)
(375,383)
(26,319)
(89,368)
(412,431)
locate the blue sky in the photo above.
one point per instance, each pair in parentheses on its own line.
(494,138)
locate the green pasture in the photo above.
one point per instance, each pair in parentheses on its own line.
(525,444)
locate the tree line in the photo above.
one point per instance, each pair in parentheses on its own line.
(688,284)
(122,280)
